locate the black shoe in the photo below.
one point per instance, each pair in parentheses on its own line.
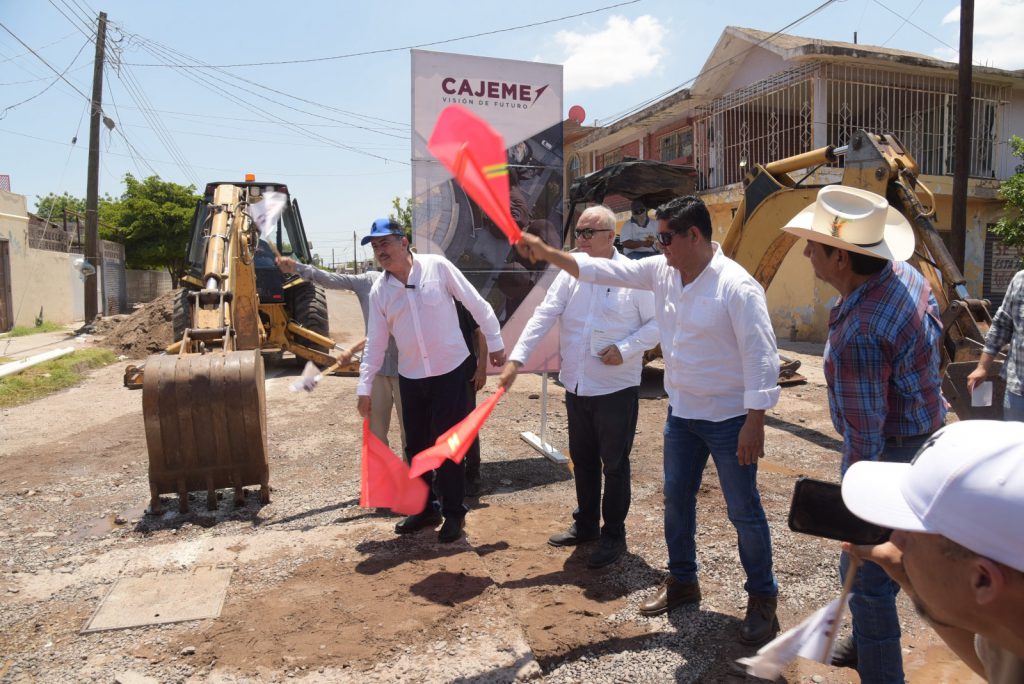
(451,530)
(671,594)
(427,518)
(760,623)
(571,537)
(607,552)
(845,653)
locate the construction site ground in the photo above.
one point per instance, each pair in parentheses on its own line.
(322,590)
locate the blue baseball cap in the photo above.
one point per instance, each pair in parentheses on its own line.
(383,227)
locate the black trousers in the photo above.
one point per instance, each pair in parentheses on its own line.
(472,459)
(601,431)
(429,407)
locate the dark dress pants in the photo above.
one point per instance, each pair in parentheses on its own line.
(601,433)
(430,406)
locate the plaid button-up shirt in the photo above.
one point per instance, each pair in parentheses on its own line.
(1008,326)
(882,363)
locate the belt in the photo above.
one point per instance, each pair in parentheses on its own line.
(913,440)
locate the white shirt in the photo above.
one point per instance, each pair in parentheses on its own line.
(631,230)
(618,313)
(421,316)
(718,342)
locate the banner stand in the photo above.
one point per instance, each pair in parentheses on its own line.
(538,443)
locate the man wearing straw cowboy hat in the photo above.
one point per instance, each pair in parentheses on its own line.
(882,369)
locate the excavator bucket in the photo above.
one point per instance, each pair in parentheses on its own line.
(206,425)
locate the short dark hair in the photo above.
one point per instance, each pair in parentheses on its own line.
(862,264)
(683,212)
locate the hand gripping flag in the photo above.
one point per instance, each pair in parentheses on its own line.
(385,479)
(455,443)
(475,154)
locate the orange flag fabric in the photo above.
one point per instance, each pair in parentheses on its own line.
(455,443)
(385,479)
(475,154)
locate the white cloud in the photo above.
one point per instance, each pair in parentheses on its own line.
(997,26)
(621,52)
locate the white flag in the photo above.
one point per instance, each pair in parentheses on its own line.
(267,211)
(309,379)
(814,639)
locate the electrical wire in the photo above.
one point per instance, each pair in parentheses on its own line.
(906,20)
(48,65)
(41,47)
(403,48)
(3,112)
(632,110)
(83,27)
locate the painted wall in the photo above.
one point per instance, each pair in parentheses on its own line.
(39,279)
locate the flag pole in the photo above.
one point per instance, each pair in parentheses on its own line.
(851,574)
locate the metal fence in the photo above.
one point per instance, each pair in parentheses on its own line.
(776,118)
(115,288)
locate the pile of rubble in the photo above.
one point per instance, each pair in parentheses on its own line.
(146,331)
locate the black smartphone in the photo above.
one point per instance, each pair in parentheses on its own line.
(818,509)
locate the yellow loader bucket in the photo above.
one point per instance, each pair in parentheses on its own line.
(206,425)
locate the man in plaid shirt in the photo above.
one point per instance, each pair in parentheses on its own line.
(1007,328)
(882,369)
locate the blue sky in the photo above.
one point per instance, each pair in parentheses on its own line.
(337,130)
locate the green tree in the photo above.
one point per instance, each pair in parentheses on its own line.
(402,214)
(152,219)
(1010,228)
(52,206)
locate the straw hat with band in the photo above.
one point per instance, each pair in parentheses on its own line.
(855,220)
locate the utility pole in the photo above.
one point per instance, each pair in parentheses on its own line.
(92,187)
(962,146)
(332,260)
(355,264)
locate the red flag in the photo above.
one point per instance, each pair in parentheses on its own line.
(475,154)
(455,443)
(385,479)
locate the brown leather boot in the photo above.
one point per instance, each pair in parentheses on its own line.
(671,594)
(760,623)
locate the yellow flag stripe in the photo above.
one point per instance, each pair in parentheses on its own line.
(495,170)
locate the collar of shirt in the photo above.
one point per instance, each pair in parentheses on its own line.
(845,305)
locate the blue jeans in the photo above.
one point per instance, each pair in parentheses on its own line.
(687,446)
(1013,406)
(876,625)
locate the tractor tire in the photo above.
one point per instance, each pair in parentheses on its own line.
(181,314)
(307,306)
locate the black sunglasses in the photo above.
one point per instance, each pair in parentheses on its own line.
(589,232)
(665,238)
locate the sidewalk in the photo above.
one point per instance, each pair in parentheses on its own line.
(20,347)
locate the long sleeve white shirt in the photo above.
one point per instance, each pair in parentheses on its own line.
(583,310)
(421,317)
(720,353)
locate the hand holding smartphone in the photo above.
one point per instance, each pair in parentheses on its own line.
(817,509)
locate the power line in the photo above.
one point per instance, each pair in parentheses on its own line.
(399,49)
(616,117)
(3,113)
(76,21)
(906,20)
(41,47)
(48,65)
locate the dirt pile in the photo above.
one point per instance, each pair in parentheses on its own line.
(147,331)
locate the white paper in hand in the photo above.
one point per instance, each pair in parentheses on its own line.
(267,211)
(982,394)
(309,379)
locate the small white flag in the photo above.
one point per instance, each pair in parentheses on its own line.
(309,379)
(267,211)
(814,639)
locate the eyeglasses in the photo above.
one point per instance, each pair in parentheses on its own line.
(665,238)
(639,211)
(589,232)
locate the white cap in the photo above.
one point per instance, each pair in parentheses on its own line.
(966,483)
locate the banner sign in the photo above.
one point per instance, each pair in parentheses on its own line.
(522,101)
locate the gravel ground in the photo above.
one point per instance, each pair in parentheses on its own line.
(323,591)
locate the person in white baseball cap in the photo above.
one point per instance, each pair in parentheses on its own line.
(957,547)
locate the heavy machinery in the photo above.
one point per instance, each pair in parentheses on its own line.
(203,399)
(878,163)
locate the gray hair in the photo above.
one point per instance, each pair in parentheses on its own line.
(603,214)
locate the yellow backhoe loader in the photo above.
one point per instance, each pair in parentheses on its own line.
(203,399)
(878,163)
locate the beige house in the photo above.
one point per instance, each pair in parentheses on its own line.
(762,97)
(34,282)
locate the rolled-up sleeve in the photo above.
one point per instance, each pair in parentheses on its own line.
(759,353)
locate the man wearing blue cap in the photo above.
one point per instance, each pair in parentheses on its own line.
(415,303)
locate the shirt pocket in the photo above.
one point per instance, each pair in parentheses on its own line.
(432,292)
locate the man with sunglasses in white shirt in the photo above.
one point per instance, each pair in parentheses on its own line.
(639,233)
(603,335)
(721,375)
